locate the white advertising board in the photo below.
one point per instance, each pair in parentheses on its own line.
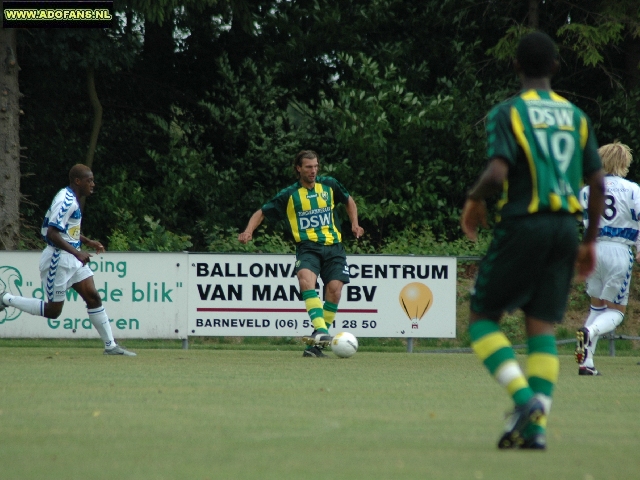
(258,295)
(177,295)
(144,294)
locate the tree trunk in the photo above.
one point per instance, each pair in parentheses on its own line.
(97,121)
(632,61)
(157,63)
(97,116)
(533,14)
(9,142)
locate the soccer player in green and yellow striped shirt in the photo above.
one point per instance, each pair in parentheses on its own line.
(540,147)
(308,209)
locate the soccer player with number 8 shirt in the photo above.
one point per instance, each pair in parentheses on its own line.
(608,286)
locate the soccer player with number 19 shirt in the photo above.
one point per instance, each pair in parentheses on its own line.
(307,206)
(540,147)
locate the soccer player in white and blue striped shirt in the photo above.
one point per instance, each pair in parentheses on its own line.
(608,285)
(63,264)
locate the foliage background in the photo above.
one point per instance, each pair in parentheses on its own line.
(205,103)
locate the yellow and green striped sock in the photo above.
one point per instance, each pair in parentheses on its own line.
(329,310)
(314,308)
(543,368)
(495,351)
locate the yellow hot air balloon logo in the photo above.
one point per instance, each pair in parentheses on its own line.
(416,298)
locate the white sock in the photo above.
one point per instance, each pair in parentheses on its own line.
(594,312)
(591,350)
(100,320)
(606,322)
(29,305)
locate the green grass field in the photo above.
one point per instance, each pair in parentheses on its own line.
(72,413)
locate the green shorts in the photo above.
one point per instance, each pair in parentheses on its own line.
(529,265)
(327,261)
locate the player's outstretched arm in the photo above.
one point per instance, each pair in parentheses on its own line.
(474,212)
(254,222)
(53,234)
(636,208)
(352,212)
(595,206)
(96,245)
(586,259)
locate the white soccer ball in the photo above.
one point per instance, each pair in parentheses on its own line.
(344,344)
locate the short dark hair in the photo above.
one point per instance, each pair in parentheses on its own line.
(537,54)
(79,171)
(310,154)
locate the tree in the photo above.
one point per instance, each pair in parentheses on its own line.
(9,141)
(204,99)
(599,46)
(87,52)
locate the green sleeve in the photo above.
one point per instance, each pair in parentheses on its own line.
(276,208)
(341,195)
(500,139)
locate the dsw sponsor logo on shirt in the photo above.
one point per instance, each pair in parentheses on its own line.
(315,221)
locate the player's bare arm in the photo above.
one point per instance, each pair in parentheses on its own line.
(352,212)
(586,259)
(53,234)
(595,207)
(96,245)
(254,222)
(474,215)
(474,212)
